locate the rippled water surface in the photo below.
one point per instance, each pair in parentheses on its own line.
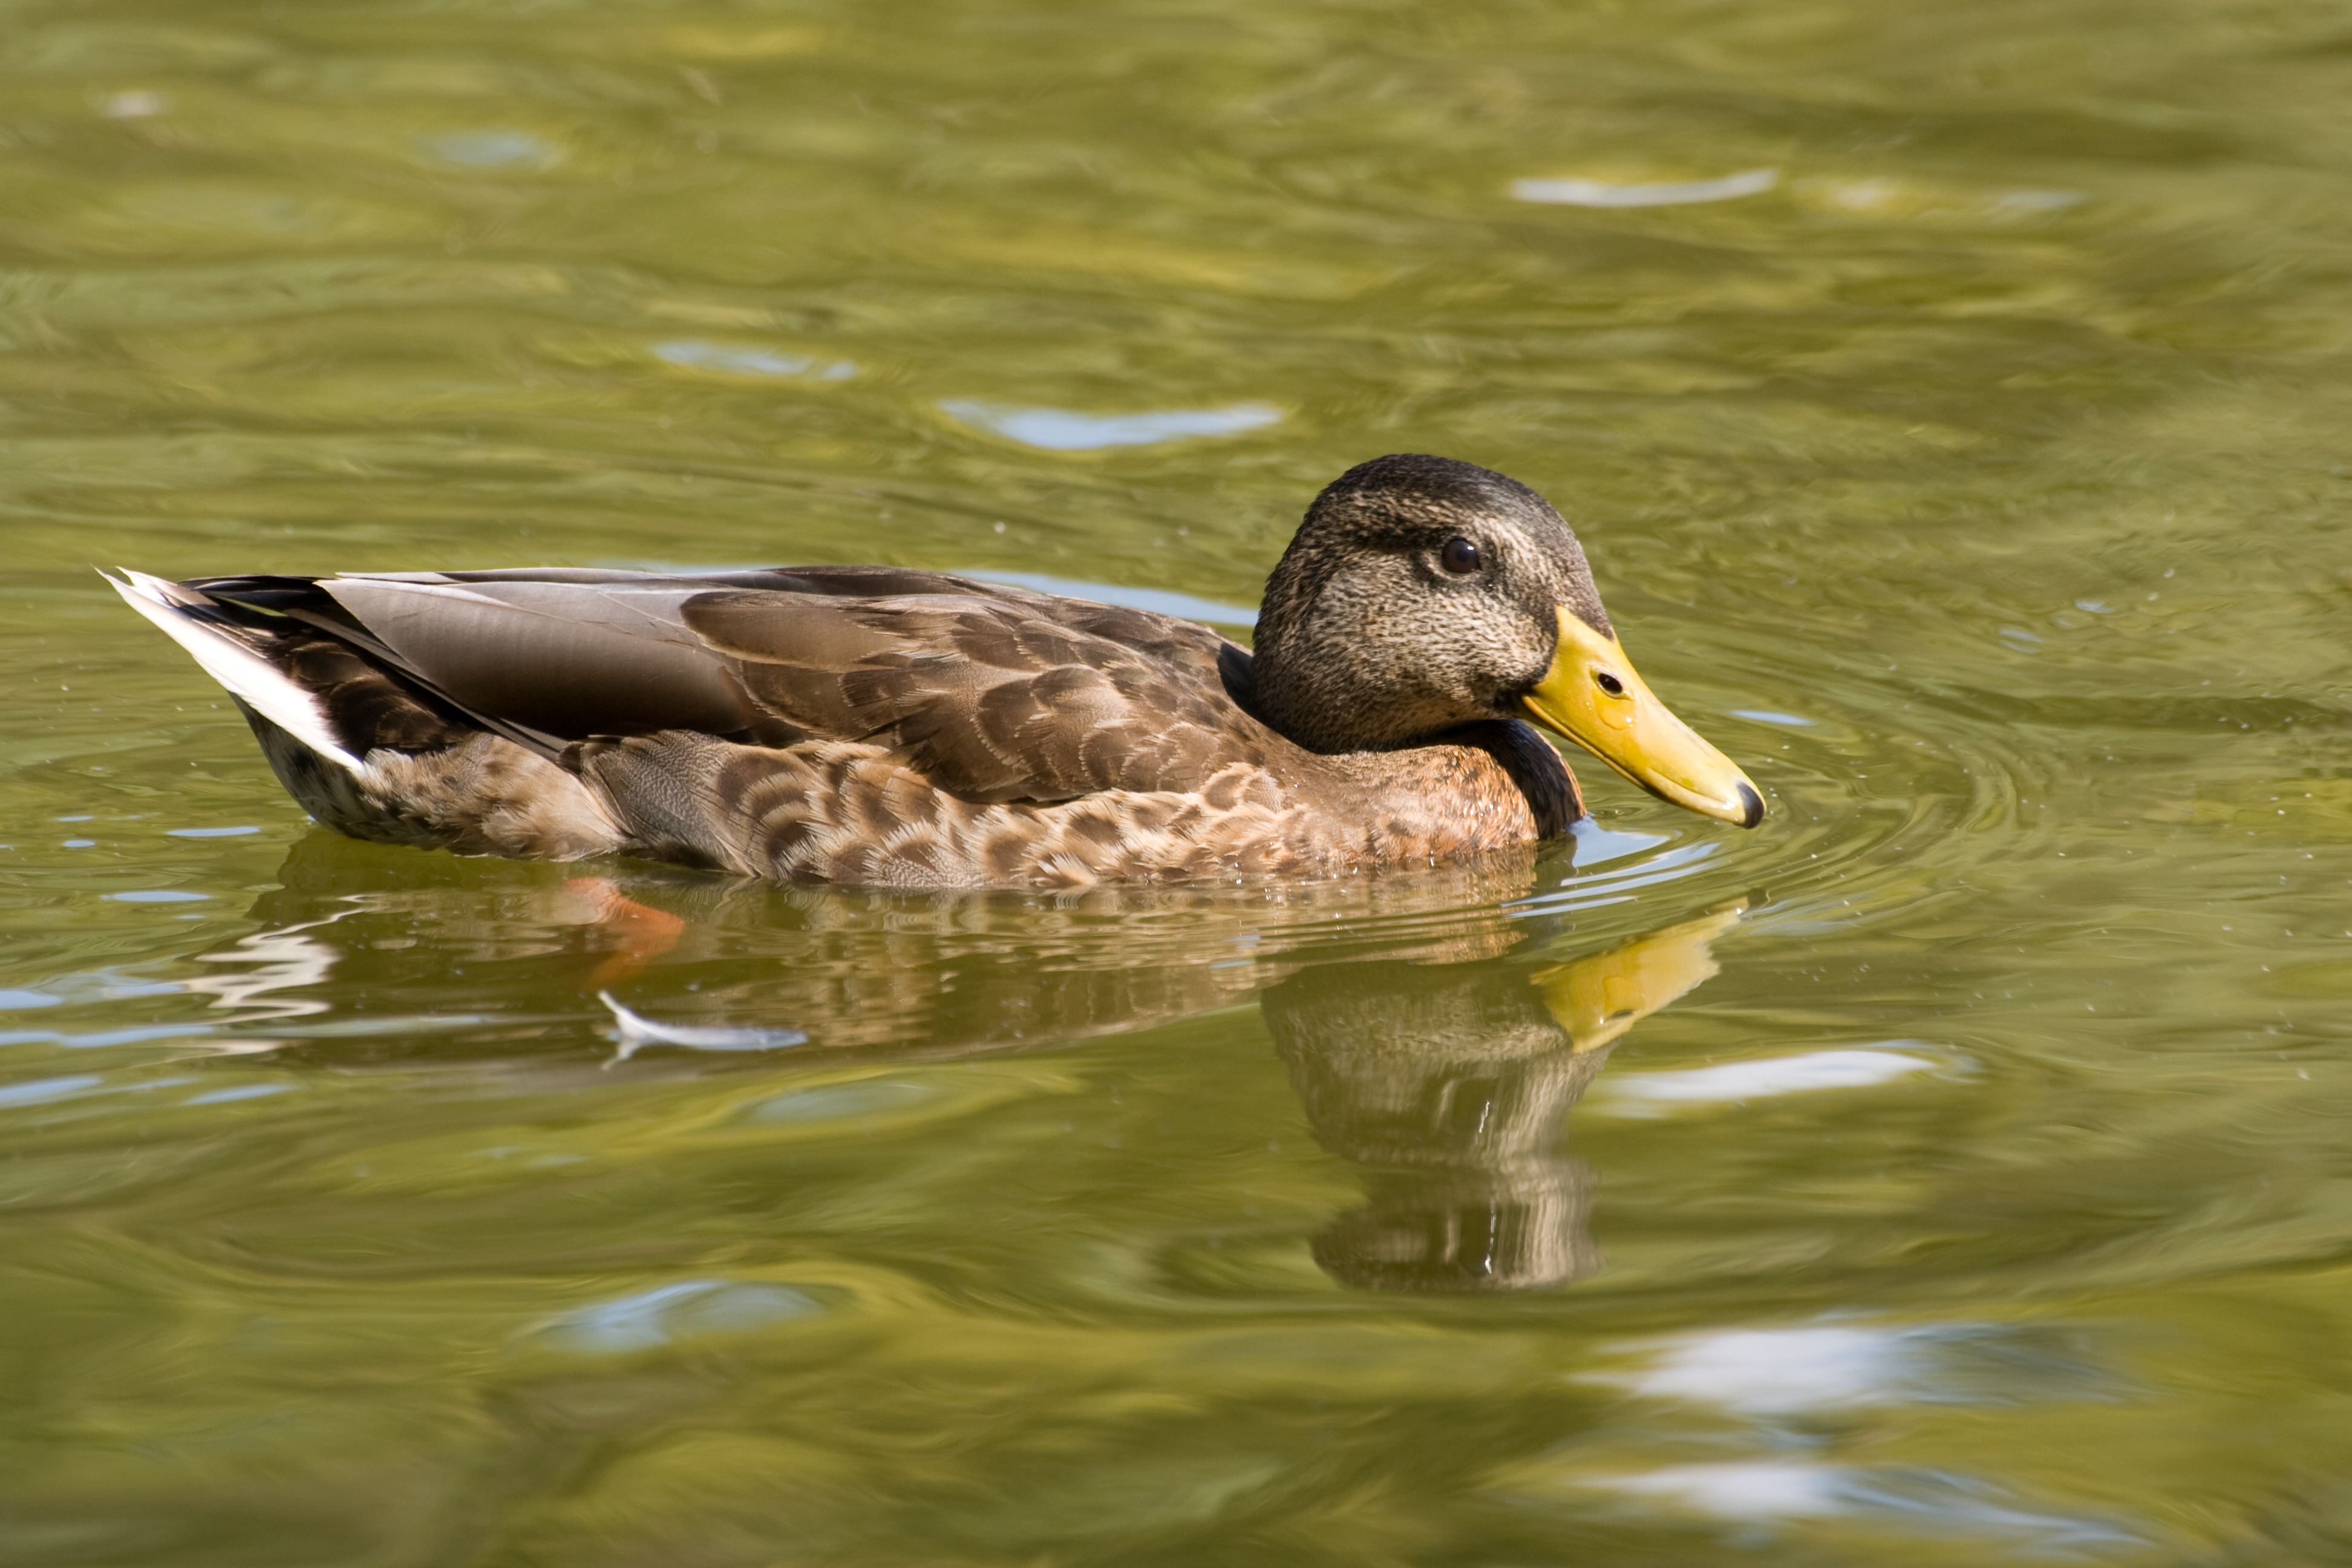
(1953,400)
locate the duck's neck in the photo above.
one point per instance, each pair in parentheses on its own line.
(1493,783)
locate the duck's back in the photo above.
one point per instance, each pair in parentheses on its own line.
(852,724)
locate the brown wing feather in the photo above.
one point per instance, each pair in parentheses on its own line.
(992,699)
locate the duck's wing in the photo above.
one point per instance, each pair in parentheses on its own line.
(993,700)
(994,693)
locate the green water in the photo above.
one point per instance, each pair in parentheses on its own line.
(1953,1171)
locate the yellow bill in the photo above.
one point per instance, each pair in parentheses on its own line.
(1591,695)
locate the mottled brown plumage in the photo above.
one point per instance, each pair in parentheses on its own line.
(877,726)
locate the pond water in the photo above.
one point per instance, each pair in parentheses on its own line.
(1953,401)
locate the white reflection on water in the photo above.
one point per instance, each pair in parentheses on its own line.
(279,961)
(1641,1094)
(75,1086)
(644,1319)
(693,354)
(2033,204)
(1602,194)
(1634,866)
(1596,845)
(103,1037)
(493,150)
(1927,201)
(241,1091)
(1770,1488)
(1931,1502)
(41,1090)
(135,105)
(1761,1372)
(1778,1372)
(1061,430)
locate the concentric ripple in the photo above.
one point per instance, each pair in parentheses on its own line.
(1879,788)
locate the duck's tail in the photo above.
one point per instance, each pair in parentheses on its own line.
(237,655)
(364,749)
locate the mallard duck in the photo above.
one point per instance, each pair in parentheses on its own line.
(870,725)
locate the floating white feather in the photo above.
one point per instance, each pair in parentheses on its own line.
(636,1031)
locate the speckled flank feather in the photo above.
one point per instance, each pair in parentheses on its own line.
(905,729)
(830,812)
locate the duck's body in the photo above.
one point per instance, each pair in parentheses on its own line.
(882,727)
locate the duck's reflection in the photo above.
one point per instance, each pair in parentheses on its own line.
(1449,1087)
(392,932)
(1427,1042)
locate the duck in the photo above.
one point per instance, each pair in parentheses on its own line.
(882,727)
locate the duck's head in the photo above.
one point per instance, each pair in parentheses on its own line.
(1423,594)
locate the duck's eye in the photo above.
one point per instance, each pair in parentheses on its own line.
(1459,556)
(1609,683)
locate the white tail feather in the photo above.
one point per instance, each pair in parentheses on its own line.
(229,661)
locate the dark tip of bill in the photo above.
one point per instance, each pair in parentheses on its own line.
(1754,803)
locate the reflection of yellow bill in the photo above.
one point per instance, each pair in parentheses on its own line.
(1599,997)
(1591,695)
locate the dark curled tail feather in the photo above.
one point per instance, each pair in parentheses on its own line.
(369,706)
